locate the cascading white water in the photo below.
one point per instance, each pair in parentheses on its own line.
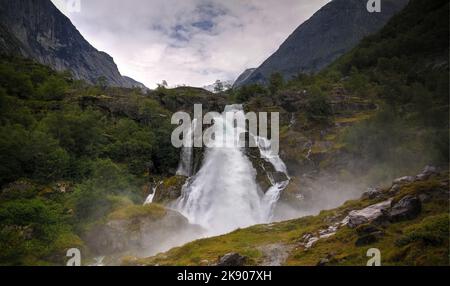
(271,198)
(224,195)
(150,197)
(272,195)
(187,153)
(265,150)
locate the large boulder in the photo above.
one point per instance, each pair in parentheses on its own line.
(407,208)
(368,234)
(404,180)
(169,190)
(427,172)
(232,259)
(141,231)
(373,213)
(356,220)
(372,193)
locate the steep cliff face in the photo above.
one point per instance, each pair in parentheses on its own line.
(38,30)
(241,80)
(329,33)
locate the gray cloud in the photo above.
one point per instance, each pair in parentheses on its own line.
(191,42)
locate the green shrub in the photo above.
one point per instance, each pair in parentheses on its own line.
(30,154)
(28,230)
(318,108)
(54,88)
(431,231)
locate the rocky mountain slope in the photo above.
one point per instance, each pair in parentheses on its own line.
(37,29)
(241,80)
(407,222)
(331,32)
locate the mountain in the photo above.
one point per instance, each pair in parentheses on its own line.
(244,77)
(212,87)
(331,32)
(37,29)
(134,83)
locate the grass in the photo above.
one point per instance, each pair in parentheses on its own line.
(421,241)
(137,211)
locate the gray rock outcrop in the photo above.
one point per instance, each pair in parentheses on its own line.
(36,29)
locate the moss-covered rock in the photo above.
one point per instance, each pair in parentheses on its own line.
(139,230)
(169,190)
(151,211)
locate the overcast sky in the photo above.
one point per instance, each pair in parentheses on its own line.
(192,42)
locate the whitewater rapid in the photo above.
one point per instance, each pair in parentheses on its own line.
(224,195)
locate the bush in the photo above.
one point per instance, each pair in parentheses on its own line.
(54,88)
(131,144)
(28,229)
(246,92)
(94,198)
(318,108)
(16,83)
(30,154)
(79,132)
(276,82)
(431,231)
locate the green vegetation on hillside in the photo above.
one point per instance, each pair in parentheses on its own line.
(75,155)
(385,103)
(67,161)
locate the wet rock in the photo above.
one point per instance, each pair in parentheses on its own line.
(404,180)
(279,177)
(394,189)
(330,231)
(232,259)
(140,230)
(323,262)
(307,236)
(372,193)
(356,220)
(369,214)
(311,242)
(427,173)
(169,190)
(407,208)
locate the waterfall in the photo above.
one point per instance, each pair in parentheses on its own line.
(150,197)
(224,194)
(272,196)
(266,154)
(187,153)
